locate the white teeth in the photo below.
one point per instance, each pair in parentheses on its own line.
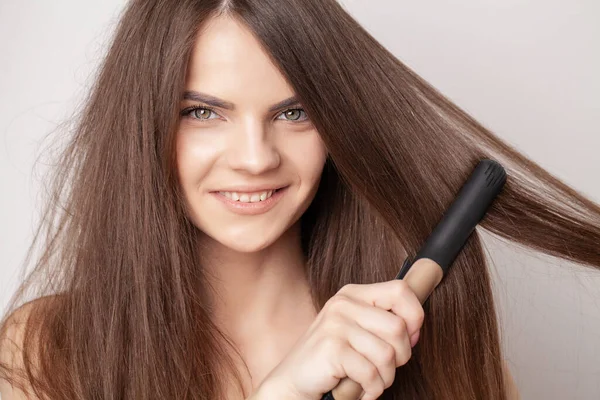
(248,197)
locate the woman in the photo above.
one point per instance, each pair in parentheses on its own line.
(164,282)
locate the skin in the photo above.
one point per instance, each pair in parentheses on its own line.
(261,295)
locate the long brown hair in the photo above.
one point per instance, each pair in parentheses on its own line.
(128,317)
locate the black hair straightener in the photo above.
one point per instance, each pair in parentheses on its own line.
(433,260)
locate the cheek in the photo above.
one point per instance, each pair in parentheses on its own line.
(308,157)
(194,157)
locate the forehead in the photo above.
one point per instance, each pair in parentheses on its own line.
(228,62)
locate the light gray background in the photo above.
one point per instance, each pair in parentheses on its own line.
(528,70)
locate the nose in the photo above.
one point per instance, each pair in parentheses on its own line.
(252,149)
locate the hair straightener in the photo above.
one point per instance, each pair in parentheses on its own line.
(435,257)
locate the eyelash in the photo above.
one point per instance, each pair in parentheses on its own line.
(187,111)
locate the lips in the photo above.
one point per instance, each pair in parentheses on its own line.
(251,208)
(249,197)
(249,190)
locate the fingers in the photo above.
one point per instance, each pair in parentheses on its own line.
(378,335)
(386,326)
(362,371)
(375,349)
(376,322)
(394,295)
(392,330)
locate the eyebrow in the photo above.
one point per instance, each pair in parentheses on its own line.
(220,103)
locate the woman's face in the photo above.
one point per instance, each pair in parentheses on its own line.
(251,141)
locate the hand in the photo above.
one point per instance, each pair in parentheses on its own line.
(353,336)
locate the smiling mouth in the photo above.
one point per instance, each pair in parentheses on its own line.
(250,206)
(246,192)
(249,197)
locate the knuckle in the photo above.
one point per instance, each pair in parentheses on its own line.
(400,287)
(390,378)
(388,356)
(375,388)
(367,377)
(372,374)
(338,303)
(333,324)
(420,315)
(349,287)
(398,328)
(404,356)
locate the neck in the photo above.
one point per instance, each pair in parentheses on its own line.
(255,293)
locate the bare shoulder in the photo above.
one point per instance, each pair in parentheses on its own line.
(12,335)
(513,391)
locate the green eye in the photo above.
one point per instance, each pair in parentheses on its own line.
(203,113)
(294,114)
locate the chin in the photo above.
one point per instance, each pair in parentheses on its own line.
(247,246)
